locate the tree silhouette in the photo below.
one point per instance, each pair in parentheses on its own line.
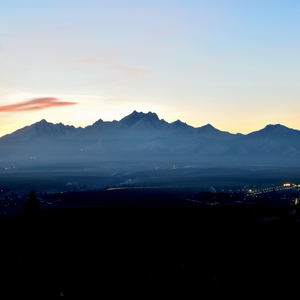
(32,204)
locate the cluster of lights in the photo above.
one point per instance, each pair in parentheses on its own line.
(288,184)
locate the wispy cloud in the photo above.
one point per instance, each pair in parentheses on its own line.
(35,104)
(130,72)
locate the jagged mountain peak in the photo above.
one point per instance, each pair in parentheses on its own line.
(45,124)
(138,116)
(211,131)
(142,115)
(274,129)
(178,122)
(208,127)
(42,122)
(99,122)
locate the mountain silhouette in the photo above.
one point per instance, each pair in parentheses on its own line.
(145,137)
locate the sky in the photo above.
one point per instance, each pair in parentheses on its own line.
(232,63)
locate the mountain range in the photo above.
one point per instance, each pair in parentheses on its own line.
(145,137)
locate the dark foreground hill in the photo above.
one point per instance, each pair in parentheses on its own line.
(126,249)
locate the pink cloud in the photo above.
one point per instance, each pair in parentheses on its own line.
(35,104)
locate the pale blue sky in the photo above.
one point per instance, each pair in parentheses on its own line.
(234,64)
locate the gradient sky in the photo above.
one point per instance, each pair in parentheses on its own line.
(232,63)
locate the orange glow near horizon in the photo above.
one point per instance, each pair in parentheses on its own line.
(81,115)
